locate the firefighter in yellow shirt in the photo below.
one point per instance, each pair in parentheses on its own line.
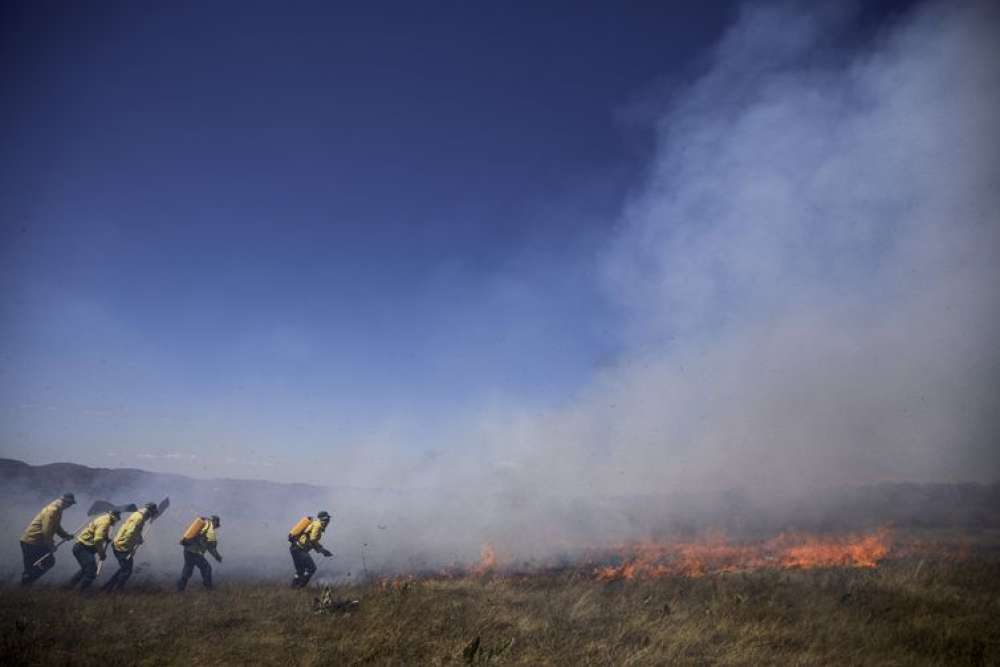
(38,541)
(126,541)
(306,541)
(194,552)
(92,543)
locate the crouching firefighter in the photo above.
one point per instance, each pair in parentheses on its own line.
(127,540)
(199,538)
(92,544)
(305,536)
(38,541)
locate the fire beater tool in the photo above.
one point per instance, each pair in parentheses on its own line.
(102,506)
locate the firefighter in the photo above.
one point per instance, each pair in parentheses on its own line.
(38,544)
(194,552)
(90,543)
(305,542)
(126,541)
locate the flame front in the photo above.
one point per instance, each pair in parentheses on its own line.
(715,555)
(859,551)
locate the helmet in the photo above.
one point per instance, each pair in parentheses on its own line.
(151,507)
(216,521)
(68,499)
(323,516)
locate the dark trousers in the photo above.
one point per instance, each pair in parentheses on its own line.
(304,566)
(87,558)
(31,553)
(118,579)
(191,561)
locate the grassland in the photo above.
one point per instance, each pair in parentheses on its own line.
(904,612)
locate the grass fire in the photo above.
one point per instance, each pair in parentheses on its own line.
(790,600)
(527,333)
(715,554)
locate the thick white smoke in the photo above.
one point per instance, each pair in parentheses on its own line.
(810,272)
(808,278)
(809,282)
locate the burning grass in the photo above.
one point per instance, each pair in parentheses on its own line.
(904,611)
(715,554)
(711,553)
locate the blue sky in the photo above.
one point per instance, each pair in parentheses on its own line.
(319,210)
(238,230)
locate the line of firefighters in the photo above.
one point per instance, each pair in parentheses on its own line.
(38,545)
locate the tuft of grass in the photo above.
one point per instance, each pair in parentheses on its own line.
(907,612)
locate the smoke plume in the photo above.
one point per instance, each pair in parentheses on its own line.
(807,282)
(809,273)
(807,279)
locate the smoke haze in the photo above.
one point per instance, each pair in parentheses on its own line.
(808,277)
(806,280)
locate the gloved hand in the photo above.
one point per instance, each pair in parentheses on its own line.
(291,539)
(327,553)
(218,558)
(102,555)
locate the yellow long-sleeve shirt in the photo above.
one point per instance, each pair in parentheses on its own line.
(46,525)
(309,539)
(129,535)
(205,540)
(97,533)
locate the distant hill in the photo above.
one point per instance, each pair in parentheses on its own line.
(21,483)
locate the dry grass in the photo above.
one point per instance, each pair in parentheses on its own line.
(905,612)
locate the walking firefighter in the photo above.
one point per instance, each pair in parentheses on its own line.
(92,545)
(129,540)
(304,537)
(197,539)
(38,545)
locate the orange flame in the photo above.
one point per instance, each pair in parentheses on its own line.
(715,555)
(487,561)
